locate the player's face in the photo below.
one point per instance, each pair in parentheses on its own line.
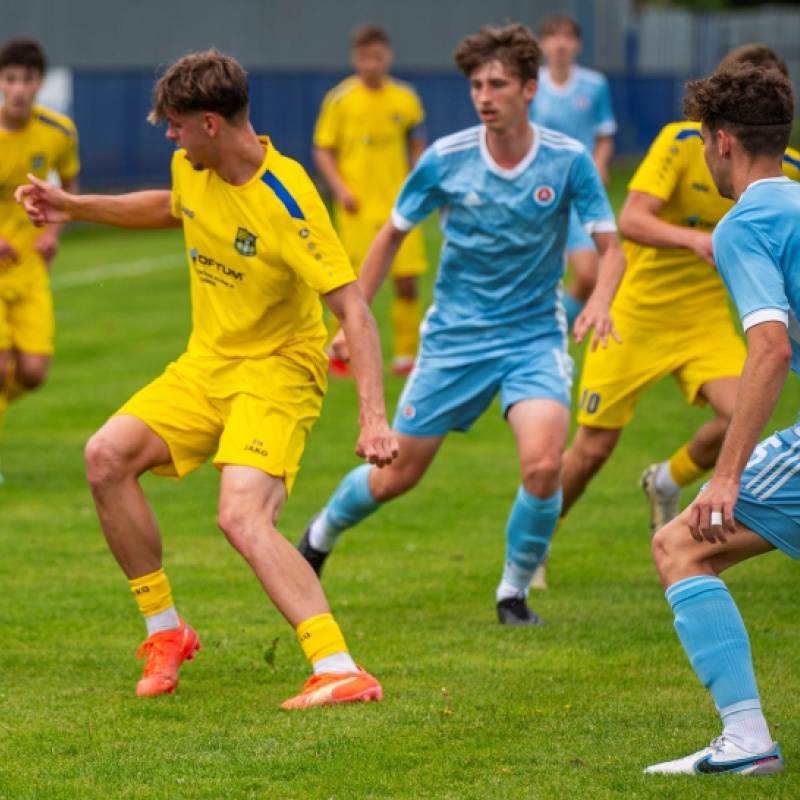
(561,47)
(718,166)
(500,98)
(191,132)
(371,63)
(19,87)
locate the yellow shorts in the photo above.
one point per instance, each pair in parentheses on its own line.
(356,236)
(247,412)
(26,309)
(614,378)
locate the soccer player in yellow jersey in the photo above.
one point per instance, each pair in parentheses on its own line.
(368,135)
(672,314)
(261,250)
(36,140)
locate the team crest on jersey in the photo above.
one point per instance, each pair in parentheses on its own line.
(245,242)
(544,194)
(37,161)
(582,102)
(409,412)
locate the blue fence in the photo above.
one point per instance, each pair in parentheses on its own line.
(120,149)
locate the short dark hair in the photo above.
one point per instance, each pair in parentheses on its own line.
(207,81)
(23,52)
(759,55)
(753,104)
(553,23)
(367,34)
(514,46)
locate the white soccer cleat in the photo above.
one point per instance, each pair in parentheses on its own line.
(723,757)
(663,507)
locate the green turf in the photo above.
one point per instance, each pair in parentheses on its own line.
(472,710)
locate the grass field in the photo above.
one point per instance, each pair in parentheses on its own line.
(472,709)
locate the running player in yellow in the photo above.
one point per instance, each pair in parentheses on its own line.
(261,250)
(368,135)
(672,315)
(36,140)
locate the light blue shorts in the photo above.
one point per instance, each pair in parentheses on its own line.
(437,400)
(769,499)
(577,238)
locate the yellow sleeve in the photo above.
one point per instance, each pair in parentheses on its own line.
(791,164)
(665,162)
(327,128)
(68,164)
(175,194)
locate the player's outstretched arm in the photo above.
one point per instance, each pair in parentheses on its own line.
(376,443)
(47,204)
(325,162)
(596,313)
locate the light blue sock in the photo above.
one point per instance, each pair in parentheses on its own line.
(713,635)
(530,528)
(572,307)
(350,503)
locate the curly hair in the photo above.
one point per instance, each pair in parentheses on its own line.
(759,55)
(207,81)
(753,104)
(514,46)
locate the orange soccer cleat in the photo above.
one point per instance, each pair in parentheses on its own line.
(165,651)
(329,688)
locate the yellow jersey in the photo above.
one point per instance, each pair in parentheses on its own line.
(259,257)
(369,129)
(49,142)
(673,286)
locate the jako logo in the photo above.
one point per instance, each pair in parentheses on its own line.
(189,213)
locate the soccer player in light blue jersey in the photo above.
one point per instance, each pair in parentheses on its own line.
(751,505)
(504,190)
(576,101)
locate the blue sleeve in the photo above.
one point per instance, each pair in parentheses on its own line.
(421,193)
(748,268)
(589,196)
(604,113)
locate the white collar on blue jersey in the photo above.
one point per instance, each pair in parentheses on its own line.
(512,173)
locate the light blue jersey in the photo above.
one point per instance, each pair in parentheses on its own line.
(505,232)
(757,250)
(580,109)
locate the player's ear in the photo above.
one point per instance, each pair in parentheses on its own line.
(211,123)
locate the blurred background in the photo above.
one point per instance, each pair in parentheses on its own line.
(105,55)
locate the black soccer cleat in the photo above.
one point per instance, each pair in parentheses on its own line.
(314,557)
(515,611)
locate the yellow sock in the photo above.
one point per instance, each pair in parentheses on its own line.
(152,592)
(320,637)
(683,469)
(405,316)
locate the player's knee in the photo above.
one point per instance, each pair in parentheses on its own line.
(671,551)
(105,463)
(389,483)
(406,288)
(541,476)
(244,530)
(593,451)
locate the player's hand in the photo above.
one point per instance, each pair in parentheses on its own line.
(47,246)
(595,317)
(43,202)
(711,514)
(8,253)
(347,200)
(377,443)
(339,346)
(701,247)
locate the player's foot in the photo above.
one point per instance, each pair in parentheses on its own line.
(314,557)
(722,757)
(338,368)
(402,366)
(165,651)
(663,507)
(539,579)
(329,688)
(515,611)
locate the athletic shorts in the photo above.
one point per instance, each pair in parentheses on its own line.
(246,412)
(26,309)
(577,237)
(437,400)
(357,235)
(615,377)
(769,498)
